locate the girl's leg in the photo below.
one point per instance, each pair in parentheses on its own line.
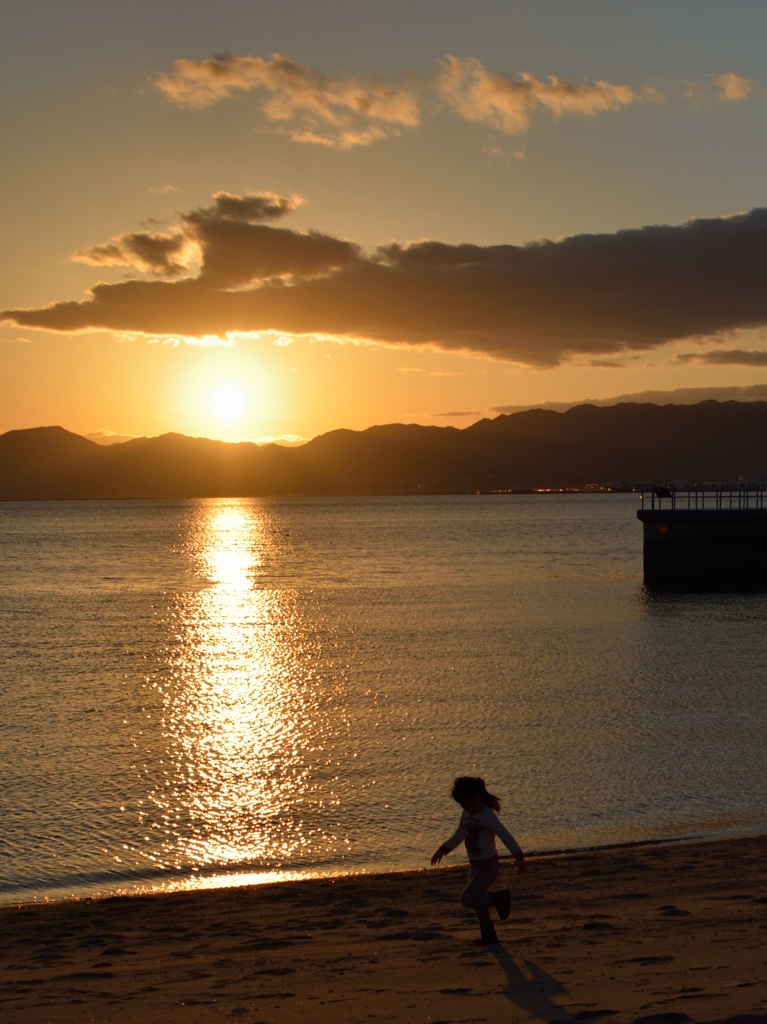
(483,916)
(476,897)
(476,892)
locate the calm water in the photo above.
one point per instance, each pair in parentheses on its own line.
(196,690)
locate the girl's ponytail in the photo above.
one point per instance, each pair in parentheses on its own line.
(466,787)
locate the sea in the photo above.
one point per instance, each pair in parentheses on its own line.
(202,693)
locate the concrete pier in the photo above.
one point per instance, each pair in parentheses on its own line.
(705,548)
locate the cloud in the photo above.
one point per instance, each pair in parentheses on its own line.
(734,87)
(253,206)
(727,87)
(312,106)
(163,190)
(539,304)
(456,415)
(725,357)
(477,95)
(107,437)
(169,254)
(679,396)
(158,253)
(431,373)
(286,440)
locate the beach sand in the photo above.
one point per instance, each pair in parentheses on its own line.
(606,935)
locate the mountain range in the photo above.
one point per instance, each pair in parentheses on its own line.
(616,445)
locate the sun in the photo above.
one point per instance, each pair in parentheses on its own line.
(227,402)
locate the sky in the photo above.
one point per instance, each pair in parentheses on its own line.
(266,220)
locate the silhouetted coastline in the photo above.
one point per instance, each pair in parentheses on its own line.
(587,447)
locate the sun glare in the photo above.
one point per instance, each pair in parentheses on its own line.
(227,402)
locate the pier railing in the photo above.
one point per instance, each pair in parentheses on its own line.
(703,496)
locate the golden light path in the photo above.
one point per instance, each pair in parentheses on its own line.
(239,717)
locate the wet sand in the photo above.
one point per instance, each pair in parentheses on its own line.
(662,932)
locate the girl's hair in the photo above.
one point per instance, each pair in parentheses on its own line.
(466,786)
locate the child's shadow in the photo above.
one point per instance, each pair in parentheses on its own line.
(532,994)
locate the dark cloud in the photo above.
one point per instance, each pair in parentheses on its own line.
(226,238)
(254,206)
(725,357)
(235,254)
(158,253)
(538,304)
(679,396)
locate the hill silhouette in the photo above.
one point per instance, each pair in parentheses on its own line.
(525,450)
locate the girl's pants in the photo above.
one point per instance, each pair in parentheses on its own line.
(476,896)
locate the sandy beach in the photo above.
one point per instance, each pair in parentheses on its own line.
(669,933)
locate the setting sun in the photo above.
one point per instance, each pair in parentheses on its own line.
(227,402)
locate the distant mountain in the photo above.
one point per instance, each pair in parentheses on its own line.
(538,448)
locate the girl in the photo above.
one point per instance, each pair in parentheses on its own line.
(478,827)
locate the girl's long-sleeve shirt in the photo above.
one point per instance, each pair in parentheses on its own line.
(478,831)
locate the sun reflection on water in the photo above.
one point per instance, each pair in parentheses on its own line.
(237,700)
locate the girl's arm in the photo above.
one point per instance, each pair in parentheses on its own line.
(453,841)
(508,841)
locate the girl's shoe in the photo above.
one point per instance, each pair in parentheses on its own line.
(502,903)
(489,937)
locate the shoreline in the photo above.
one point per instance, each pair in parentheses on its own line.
(624,933)
(218,875)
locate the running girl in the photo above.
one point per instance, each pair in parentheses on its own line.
(478,827)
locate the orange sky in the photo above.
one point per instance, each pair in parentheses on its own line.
(490,126)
